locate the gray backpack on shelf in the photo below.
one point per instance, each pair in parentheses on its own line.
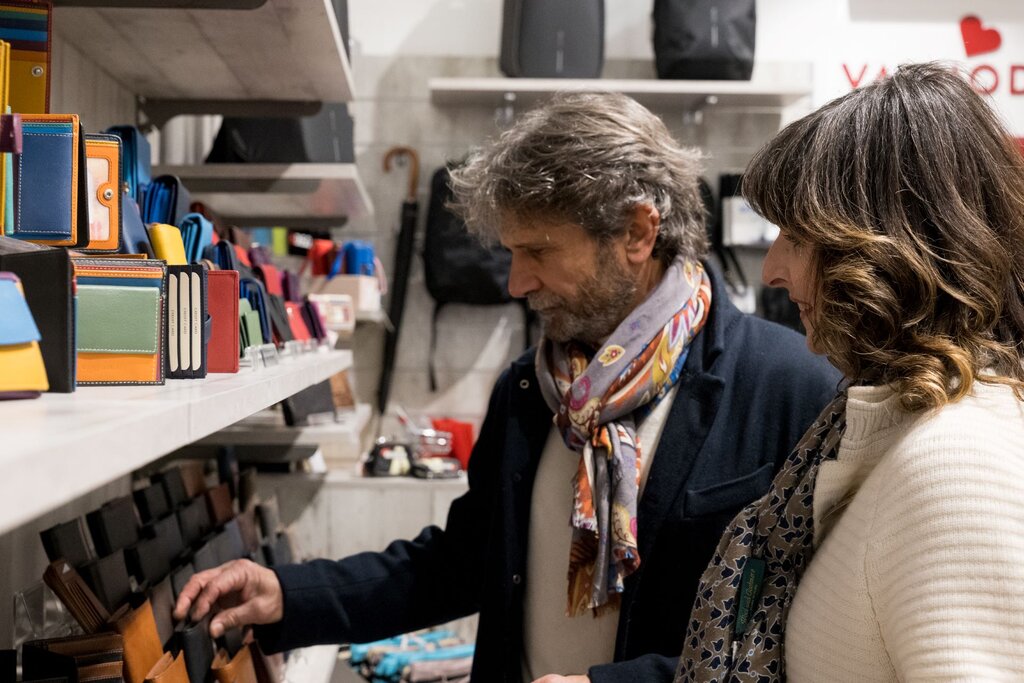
(552,38)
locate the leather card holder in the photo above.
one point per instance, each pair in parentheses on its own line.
(174,485)
(180,577)
(167,243)
(148,561)
(114,525)
(108,578)
(220,504)
(168,533)
(142,646)
(194,520)
(68,541)
(170,668)
(103,180)
(205,557)
(197,646)
(152,502)
(236,669)
(161,597)
(68,585)
(228,544)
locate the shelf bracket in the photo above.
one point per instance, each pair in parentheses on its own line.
(155,113)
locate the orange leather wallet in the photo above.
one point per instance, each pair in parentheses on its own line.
(169,669)
(142,648)
(237,669)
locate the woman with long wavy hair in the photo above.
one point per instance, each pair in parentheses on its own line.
(891,545)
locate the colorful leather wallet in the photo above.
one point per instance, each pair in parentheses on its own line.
(167,243)
(295,320)
(96,658)
(120,321)
(197,233)
(253,290)
(165,200)
(50,188)
(103,180)
(46,276)
(27,27)
(134,236)
(137,160)
(22,373)
(222,303)
(270,277)
(249,325)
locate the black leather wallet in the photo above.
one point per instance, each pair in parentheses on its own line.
(195,642)
(205,558)
(220,505)
(46,275)
(67,541)
(96,657)
(168,533)
(312,400)
(148,561)
(161,597)
(194,519)
(114,526)
(228,544)
(174,485)
(180,576)
(152,503)
(108,578)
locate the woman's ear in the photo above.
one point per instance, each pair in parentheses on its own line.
(643,230)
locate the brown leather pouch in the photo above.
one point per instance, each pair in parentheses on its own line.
(95,658)
(77,597)
(237,669)
(168,669)
(142,647)
(219,503)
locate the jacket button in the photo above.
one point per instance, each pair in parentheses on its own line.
(524,384)
(516,478)
(517,579)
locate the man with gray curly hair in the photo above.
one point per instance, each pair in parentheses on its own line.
(580,546)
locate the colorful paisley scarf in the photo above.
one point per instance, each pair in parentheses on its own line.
(738,623)
(598,400)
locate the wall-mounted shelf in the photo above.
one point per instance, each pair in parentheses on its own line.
(296,195)
(61,446)
(284,50)
(658,94)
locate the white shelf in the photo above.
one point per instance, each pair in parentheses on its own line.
(286,50)
(61,446)
(686,95)
(311,664)
(338,440)
(276,194)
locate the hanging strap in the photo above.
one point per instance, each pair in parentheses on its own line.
(431,371)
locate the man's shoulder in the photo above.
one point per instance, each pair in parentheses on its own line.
(760,347)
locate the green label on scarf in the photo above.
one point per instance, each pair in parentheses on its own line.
(750,591)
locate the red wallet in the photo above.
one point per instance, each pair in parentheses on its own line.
(222,304)
(295,321)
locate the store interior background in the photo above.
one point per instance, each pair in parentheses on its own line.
(396,45)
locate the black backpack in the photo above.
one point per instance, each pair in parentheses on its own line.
(458,267)
(704,39)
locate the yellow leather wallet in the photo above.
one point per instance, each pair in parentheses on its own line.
(103,177)
(22,373)
(120,321)
(167,244)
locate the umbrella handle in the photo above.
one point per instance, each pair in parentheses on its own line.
(414,166)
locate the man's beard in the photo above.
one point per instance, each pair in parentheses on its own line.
(604,300)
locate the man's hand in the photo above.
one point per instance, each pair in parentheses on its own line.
(555,678)
(243,592)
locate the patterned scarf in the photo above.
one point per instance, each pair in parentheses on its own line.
(738,624)
(598,401)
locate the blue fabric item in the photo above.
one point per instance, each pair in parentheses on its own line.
(748,391)
(358,257)
(358,651)
(253,290)
(43,184)
(16,323)
(134,236)
(197,234)
(390,666)
(137,164)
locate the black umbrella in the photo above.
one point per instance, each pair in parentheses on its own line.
(400,272)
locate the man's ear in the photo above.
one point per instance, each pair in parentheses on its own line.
(643,230)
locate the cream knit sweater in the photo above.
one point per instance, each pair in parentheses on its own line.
(919,572)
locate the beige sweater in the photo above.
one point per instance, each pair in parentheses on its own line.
(919,572)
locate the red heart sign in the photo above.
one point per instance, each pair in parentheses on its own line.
(978,40)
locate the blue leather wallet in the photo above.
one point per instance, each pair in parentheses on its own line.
(252,289)
(50,188)
(137,173)
(196,233)
(165,201)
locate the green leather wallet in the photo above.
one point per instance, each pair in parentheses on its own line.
(249,322)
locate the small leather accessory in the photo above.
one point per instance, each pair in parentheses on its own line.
(296,322)
(193,473)
(167,243)
(22,372)
(68,585)
(96,658)
(103,180)
(161,597)
(220,504)
(27,27)
(142,647)
(46,278)
(205,558)
(279,323)
(148,561)
(313,400)
(269,276)
(198,648)
(10,144)
(222,303)
(197,233)
(169,669)
(237,669)
(290,286)
(165,200)
(152,502)
(252,289)
(194,520)
(108,578)
(249,324)
(50,189)
(168,532)
(114,526)
(174,485)
(120,321)
(228,544)
(180,577)
(137,163)
(314,320)
(67,541)
(187,322)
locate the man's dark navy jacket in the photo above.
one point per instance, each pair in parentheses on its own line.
(748,391)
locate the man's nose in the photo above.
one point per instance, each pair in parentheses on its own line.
(521,280)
